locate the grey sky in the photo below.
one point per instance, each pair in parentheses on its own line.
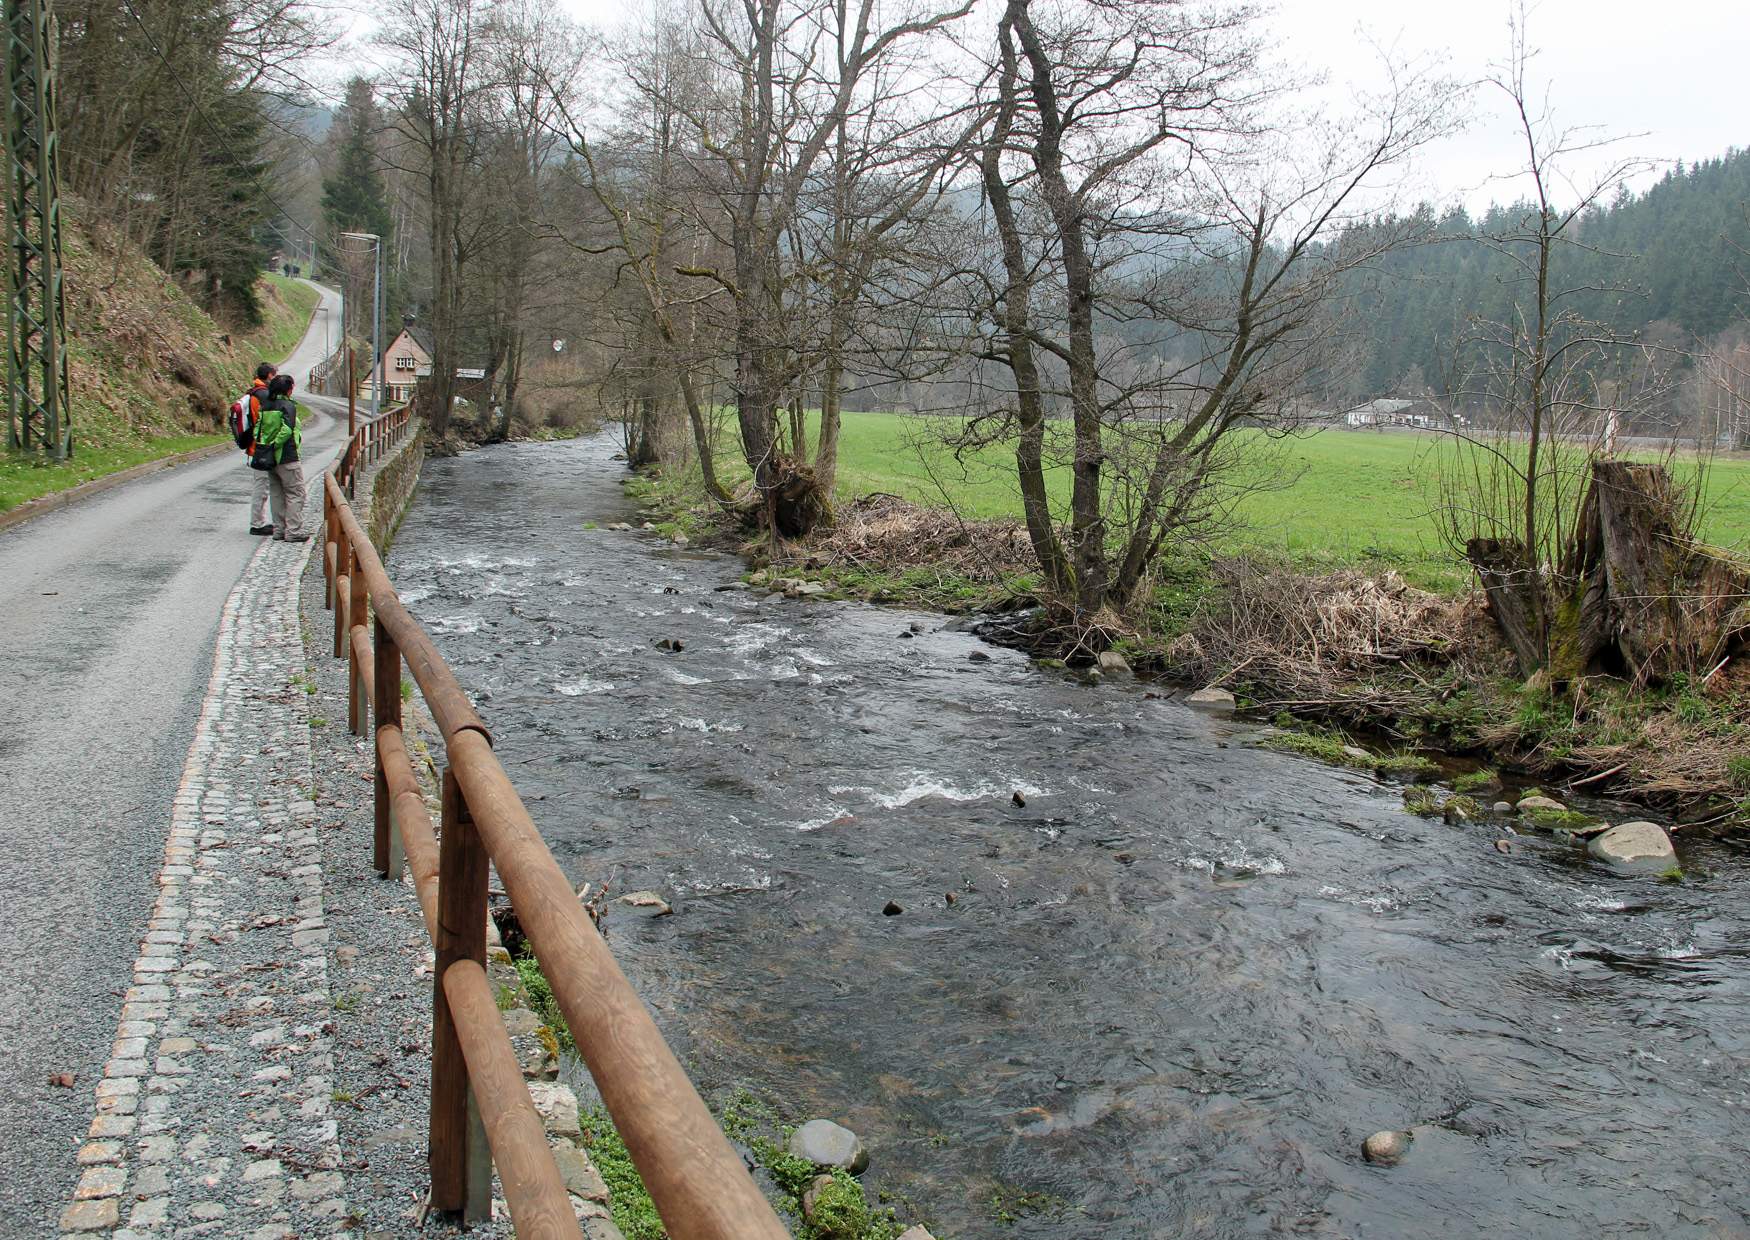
(1673,73)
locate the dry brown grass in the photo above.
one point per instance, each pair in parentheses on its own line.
(1347,645)
(888,534)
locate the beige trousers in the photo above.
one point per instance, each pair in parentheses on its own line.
(287,486)
(259,512)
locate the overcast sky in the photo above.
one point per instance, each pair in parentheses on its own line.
(1673,74)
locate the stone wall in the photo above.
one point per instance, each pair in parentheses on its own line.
(387,488)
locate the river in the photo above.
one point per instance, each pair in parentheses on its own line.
(1172,992)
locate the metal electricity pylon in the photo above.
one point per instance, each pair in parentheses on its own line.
(40,417)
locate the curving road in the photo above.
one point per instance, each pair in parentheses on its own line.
(108,613)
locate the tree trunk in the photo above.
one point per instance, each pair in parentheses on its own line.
(1068,213)
(1677,607)
(642,450)
(1512,592)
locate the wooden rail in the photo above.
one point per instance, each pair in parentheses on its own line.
(481,1111)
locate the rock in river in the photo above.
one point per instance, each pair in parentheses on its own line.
(1112,661)
(1635,848)
(1386,1148)
(1211,699)
(1538,802)
(647,900)
(827,1144)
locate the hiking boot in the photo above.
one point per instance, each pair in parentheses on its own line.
(296,538)
(261,529)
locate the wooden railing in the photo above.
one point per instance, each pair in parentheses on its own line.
(370,443)
(481,1111)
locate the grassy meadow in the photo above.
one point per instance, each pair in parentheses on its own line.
(1337,498)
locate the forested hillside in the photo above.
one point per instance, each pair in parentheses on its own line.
(1669,266)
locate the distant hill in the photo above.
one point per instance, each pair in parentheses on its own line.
(1681,248)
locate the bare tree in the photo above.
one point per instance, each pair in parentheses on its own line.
(760,149)
(648,191)
(1166,275)
(1515,499)
(441,87)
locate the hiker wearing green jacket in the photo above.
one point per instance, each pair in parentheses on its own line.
(277,439)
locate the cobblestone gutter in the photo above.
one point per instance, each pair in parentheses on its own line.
(214,1113)
(268,1078)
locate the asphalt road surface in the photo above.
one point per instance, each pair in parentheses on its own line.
(108,614)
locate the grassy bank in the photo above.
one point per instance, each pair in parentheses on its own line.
(1333,604)
(150,371)
(286,307)
(23,480)
(1338,499)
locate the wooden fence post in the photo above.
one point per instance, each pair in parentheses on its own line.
(357,714)
(386,852)
(458,1182)
(342,593)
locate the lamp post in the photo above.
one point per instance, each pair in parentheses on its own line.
(376,320)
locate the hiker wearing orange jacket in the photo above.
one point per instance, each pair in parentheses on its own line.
(260,518)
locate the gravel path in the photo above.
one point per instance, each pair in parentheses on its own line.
(382,963)
(269,1073)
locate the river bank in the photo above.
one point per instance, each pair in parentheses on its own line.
(1352,659)
(1172,993)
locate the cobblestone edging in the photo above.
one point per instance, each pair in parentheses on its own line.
(213,1115)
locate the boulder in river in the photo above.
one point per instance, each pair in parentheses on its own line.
(672,645)
(1537,801)
(1503,807)
(1386,1148)
(655,904)
(915,1233)
(892,909)
(1112,661)
(1635,848)
(1211,699)
(826,1144)
(978,656)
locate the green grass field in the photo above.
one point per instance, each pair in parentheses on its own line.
(1338,498)
(22,480)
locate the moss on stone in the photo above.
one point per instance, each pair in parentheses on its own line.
(1422,800)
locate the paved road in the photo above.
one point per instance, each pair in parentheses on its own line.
(108,610)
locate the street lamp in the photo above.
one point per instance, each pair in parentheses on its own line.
(376,320)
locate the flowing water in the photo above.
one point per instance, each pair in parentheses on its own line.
(1172,992)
